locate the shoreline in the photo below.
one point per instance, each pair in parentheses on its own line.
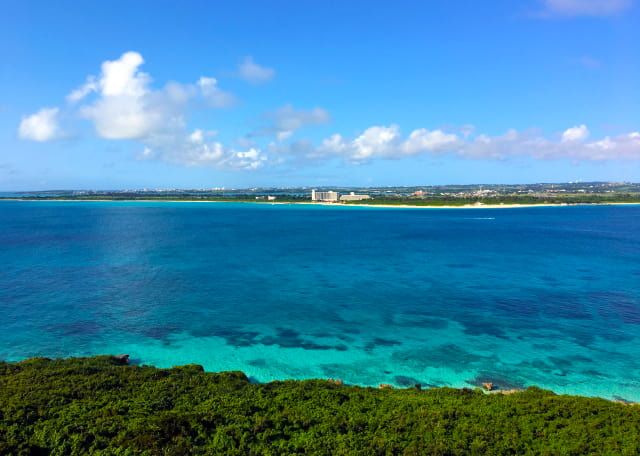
(487,388)
(326,204)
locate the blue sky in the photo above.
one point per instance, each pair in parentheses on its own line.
(283,93)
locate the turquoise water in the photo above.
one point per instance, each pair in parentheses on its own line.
(526,296)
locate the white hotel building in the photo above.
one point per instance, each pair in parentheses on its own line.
(329,196)
(334,197)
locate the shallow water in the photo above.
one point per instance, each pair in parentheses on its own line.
(528,296)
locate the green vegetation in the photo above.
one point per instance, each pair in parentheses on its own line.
(98,405)
(436,196)
(378,200)
(508,199)
(162,197)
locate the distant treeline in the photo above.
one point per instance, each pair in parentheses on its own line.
(159,197)
(431,200)
(98,405)
(594,198)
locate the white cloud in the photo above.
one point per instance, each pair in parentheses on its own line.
(194,150)
(127,107)
(423,140)
(214,96)
(287,120)
(147,153)
(91,85)
(586,7)
(122,78)
(579,133)
(251,72)
(387,142)
(197,137)
(375,141)
(41,126)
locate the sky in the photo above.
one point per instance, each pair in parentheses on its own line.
(198,94)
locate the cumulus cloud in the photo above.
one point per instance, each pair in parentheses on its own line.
(422,140)
(126,107)
(193,149)
(586,7)
(579,133)
(41,126)
(212,93)
(253,73)
(285,121)
(123,105)
(387,142)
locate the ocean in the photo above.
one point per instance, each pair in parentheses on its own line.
(545,296)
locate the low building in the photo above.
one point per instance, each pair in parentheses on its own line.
(353,197)
(329,196)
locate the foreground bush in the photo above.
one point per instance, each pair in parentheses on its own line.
(98,405)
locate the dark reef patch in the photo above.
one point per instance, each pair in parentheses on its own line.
(593,373)
(289,338)
(449,355)
(616,336)
(620,306)
(629,311)
(160,332)
(562,305)
(537,364)
(583,337)
(406,382)
(409,321)
(333,370)
(236,337)
(77,328)
(553,365)
(380,342)
(260,362)
(479,326)
(514,306)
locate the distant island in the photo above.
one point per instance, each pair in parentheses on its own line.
(101,404)
(492,195)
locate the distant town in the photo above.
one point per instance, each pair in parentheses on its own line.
(436,195)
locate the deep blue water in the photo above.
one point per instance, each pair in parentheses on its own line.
(527,296)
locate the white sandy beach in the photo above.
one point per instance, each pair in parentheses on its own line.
(309,203)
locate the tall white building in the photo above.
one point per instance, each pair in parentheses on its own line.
(329,196)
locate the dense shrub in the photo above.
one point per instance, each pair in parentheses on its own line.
(80,406)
